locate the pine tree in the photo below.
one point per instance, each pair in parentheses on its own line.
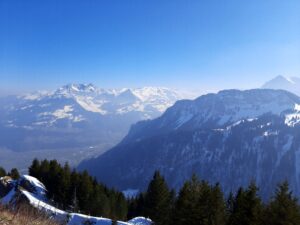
(78,192)
(136,206)
(216,207)
(34,169)
(254,205)
(283,208)
(42,175)
(121,206)
(14,174)
(246,208)
(2,172)
(230,204)
(201,204)
(186,208)
(74,203)
(85,191)
(158,200)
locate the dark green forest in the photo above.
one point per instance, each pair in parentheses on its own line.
(196,203)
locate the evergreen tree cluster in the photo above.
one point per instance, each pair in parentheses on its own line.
(14,173)
(78,191)
(196,203)
(199,203)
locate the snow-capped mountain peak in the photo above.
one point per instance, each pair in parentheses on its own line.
(230,106)
(152,101)
(80,114)
(279,80)
(230,137)
(291,84)
(73,89)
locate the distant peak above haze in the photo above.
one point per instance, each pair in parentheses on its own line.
(80,87)
(291,84)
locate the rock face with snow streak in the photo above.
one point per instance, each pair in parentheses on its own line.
(230,137)
(78,116)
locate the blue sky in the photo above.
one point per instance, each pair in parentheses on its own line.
(196,45)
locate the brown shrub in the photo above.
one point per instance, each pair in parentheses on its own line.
(24,215)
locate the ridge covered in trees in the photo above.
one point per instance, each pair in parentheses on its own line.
(78,191)
(197,202)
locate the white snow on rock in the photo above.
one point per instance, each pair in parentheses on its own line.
(230,106)
(76,219)
(40,189)
(293,118)
(140,221)
(53,212)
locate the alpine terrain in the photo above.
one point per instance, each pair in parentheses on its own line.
(30,191)
(231,137)
(73,122)
(280,82)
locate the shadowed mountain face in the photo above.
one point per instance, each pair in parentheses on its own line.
(81,119)
(231,137)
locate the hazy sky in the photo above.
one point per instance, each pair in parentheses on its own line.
(201,44)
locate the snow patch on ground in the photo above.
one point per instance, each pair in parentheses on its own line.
(37,199)
(140,221)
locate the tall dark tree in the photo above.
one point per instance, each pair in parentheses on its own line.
(2,172)
(14,173)
(34,169)
(246,208)
(216,207)
(200,203)
(78,191)
(136,206)
(158,200)
(283,208)
(186,208)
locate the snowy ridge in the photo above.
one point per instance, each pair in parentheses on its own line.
(37,198)
(222,110)
(149,101)
(230,137)
(293,119)
(92,98)
(232,106)
(78,116)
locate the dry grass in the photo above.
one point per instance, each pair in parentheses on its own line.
(24,215)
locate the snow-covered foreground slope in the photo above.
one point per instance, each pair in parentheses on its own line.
(32,191)
(231,137)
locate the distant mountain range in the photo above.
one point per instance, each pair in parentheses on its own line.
(231,137)
(280,82)
(79,121)
(75,121)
